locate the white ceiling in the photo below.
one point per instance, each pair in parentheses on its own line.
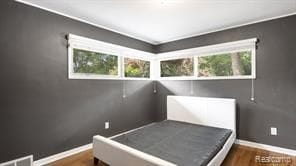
(159,21)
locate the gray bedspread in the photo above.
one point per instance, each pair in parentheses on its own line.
(181,143)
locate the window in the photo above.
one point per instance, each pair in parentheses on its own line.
(177,67)
(228,64)
(233,60)
(89,62)
(92,59)
(136,68)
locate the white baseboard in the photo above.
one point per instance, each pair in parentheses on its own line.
(68,153)
(62,155)
(266,147)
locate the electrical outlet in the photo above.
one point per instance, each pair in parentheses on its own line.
(107,125)
(273,131)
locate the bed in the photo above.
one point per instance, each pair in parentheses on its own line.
(198,131)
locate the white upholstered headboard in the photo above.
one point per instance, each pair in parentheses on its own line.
(215,112)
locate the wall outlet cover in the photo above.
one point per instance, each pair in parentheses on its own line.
(107,125)
(273,131)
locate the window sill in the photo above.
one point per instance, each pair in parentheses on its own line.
(206,78)
(96,77)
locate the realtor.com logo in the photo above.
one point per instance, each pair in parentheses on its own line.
(274,160)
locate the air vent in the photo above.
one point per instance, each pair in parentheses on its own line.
(24,161)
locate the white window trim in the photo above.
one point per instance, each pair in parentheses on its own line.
(84,43)
(253,68)
(230,47)
(73,75)
(210,49)
(78,42)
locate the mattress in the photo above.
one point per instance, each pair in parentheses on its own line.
(181,143)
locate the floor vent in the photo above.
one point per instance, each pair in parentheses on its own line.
(24,161)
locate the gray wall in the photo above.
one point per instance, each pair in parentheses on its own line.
(275,86)
(44,113)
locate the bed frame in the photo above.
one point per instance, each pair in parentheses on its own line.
(215,112)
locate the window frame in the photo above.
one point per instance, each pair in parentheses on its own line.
(73,75)
(136,78)
(78,42)
(253,66)
(177,77)
(211,50)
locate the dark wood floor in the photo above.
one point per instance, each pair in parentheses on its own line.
(238,156)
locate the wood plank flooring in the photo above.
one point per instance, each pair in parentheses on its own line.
(238,156)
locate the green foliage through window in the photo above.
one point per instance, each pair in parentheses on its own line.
(230,64)
(177,67)
(94,62)
(136,68)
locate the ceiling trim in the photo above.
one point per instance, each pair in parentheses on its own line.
(147,40)
(228,27)
(85,21)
